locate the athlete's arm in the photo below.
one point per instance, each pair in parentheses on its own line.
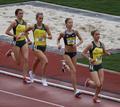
(58,40)
(85,52)
(28,39)
(27,36)
(80,38)
(105,51)
(27,33)
(28,29)
(48,32)
(10,27)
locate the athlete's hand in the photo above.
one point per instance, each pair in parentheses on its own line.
(29,42)
(74,46)
(26,33)
(108,53)
(22,34)
(91,60)
(49,37)
(17,37)
(59,46)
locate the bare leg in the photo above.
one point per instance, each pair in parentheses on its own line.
(33,72)
(15,54)
(72,71)
(25,53)
(35,64)
(101,76)
(95,78)
(98,89)
(43,61)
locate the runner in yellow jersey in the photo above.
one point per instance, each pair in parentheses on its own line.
(19,26)
(96,50)
(40,33)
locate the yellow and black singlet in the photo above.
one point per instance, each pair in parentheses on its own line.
(20,28)
(39,35)
(96,53)
(69,38)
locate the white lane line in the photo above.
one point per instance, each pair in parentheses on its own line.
(30,98)
(63,87)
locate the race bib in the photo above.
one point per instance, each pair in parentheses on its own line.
(40,39)
(99,59)
(71,41)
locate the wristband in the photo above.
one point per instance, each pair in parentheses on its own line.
(89,58)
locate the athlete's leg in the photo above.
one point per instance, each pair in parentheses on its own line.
(25,54)
(33,71)
(44,62)
(72,71)
(15,54)
(101,76)
(98,89)
(35,64)
(74,61)
(95,78)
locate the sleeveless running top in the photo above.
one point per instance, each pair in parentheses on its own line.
(39,35)
(96,53)
(69,38)
(19,28)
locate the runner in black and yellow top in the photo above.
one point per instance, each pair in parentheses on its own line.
(69,36)
(18,26)
(96,50)
(40,32)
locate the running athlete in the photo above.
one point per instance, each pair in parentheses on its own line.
(96,50)
(40,32)
(69,37)
(18,26)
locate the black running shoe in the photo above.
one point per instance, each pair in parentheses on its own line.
(77,94)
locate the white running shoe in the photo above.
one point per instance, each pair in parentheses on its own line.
(44,82)
(31,76)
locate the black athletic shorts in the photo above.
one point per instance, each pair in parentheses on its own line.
(71,54)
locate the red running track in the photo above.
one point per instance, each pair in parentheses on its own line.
(111,84)
(13,93)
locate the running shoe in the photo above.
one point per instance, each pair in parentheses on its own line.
(87,83)
(95,100)
(26,81)
(77,94)
(8,53)
(44,82)
(31,76)
(64,66)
